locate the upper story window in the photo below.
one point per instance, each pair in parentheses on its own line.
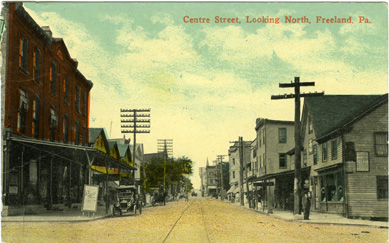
(53,76)
(310,125)
(283,161)
(310,146)
(78,97)
(84,104)
(233,174)
(77,135)
(334,148)
(83,135)
(282,135)
(325,151)
(263,136)
(53,123)
(66,89)
(36,65)
(23,107)
(65,128)
(233,161)
(315,154)
(381,143)
(305,158)
(254,153)
(23,45)
(35,116)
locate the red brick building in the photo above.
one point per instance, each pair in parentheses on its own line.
(45,114)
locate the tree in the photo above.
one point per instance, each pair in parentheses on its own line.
(176,169)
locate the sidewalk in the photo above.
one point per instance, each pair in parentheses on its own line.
(321,218)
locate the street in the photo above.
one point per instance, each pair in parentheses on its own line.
(196,220)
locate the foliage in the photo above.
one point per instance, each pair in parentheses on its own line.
(176,169)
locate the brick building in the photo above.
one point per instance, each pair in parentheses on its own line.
(45,114)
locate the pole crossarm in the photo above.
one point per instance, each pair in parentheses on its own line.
(135,120)
(135,110)
(290,96)
(136,115)
(291,85)
(135,131)
(137,126)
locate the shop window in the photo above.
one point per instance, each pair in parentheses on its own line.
(381,143)
(332,187)
(23,44)
(35,116)
(382,187)
(283,161)
(325,151)
(36,65)
(334,148)
(66,89)
(315,154)
(23,107)
(282,135)
(53,75)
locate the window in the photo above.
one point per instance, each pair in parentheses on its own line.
(53,70)
(84,104)
(382,187)
(254,153)
(35,116)
(83,135)
(334,148)
(325,151)
(260,161)
(381,143)
(310,146)
(283,161)
(23,54)
(310,125)
(77,135)
(282,135)
(78,94)
(65,128)
(53,123)
(305,158)
(66,89)
(233,174)
(233,161)
(23,107)
(315,154)
(263,136)
(36,65)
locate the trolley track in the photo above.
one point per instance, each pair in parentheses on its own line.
(182,214)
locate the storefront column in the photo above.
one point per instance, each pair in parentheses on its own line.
(51,184)
(70,184)
(21,174)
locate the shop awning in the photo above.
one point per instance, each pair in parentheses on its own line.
(232,189)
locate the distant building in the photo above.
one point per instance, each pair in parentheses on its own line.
(203,181)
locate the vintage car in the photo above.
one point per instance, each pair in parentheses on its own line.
(126,200)
(194,194)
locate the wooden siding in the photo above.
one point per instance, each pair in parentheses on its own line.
(362,186)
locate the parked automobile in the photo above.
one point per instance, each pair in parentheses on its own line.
(194,194)
(127,200)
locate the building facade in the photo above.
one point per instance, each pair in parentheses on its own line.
(46,114)
(346,145)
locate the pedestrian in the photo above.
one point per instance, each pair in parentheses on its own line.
(306,199)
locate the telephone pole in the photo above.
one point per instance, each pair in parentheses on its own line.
(133,114)
(165,146)
(221,157)
(297,137)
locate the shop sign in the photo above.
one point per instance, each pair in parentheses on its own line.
(89,200)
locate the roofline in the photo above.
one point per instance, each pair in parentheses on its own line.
(261,121)
(343,126)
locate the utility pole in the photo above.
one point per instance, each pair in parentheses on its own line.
(297,137)
(241,158)
(165,146)
(133,114)
(221,176)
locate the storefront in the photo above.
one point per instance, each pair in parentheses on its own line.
(329,190)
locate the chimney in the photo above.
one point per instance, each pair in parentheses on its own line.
(48,32)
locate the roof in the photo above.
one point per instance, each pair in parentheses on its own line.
(262,121)
(330,112)
(148,157)
(94,133)
(123,149)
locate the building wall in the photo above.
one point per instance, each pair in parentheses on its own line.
(362,185)
(234,166)
(51,50)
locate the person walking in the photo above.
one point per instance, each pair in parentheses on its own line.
(306,199)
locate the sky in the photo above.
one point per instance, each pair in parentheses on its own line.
(207,83)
